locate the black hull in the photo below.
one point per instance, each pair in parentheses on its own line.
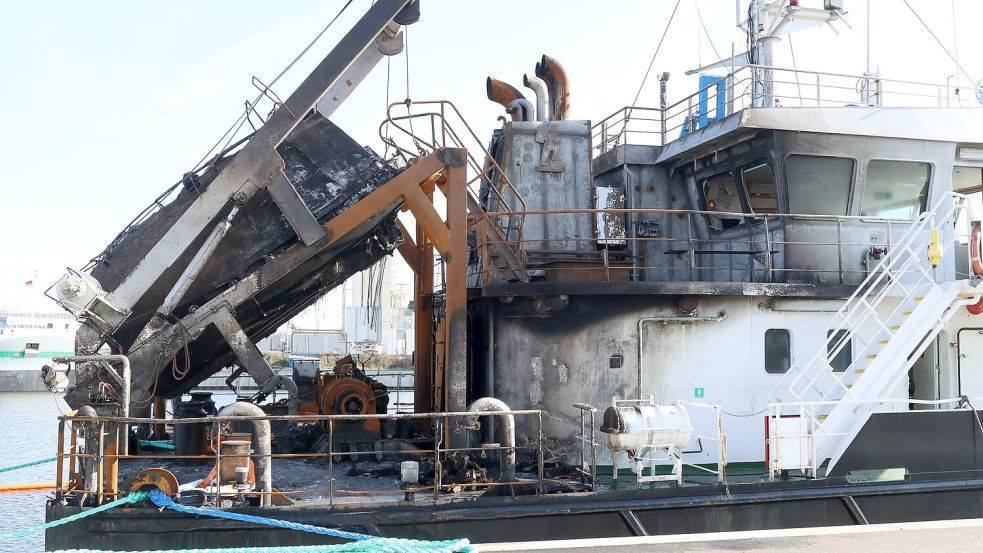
(614,514)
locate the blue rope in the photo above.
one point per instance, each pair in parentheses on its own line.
(361,542)
(126,500)
(159,444)
(31,464)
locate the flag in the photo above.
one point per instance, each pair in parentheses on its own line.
(29,283)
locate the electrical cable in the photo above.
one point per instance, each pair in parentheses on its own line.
(656,53)
(939,42)
(699,16)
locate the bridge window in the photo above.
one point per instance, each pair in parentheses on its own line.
(721,193)
(759,181)
(819,185)
(844,357)
(778,350)
(895,189)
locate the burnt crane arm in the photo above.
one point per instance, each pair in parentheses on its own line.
(190,289)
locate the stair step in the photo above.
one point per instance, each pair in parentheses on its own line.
(919,298)
(821,417)
(883,342)
(859,371)
(872,356)
(906,313)
(895,327)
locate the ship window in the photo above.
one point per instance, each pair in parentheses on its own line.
(819,185)
(722,194)
(895,189)
(778,350)
(759,181)
(844,357)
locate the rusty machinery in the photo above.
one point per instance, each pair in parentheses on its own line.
(233,251)
(345,390)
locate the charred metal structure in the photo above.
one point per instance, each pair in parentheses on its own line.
(777,303)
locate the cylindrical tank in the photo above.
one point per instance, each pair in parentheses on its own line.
(638,427)
(192,439)
(235,455)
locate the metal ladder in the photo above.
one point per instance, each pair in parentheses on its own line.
(833,405)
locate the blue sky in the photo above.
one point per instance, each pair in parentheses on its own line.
(104,104)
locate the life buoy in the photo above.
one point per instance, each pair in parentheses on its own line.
(975,264)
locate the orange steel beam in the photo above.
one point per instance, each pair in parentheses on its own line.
(456,289)
(414,188)
(408,249)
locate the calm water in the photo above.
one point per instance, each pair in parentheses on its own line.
(28,432)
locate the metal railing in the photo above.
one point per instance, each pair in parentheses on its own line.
(105,432)
(888,341)
(757,251)
(433,130)
(796,449)
(741,88)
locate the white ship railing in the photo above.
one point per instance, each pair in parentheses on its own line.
(792,88)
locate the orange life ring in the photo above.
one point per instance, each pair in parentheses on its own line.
(976,264)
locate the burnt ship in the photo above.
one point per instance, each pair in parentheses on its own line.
(752,307)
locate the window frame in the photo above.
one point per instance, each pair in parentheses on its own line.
(862,186)
(764,344)
(741,197)
(830,336)
(774,177)
(853,189)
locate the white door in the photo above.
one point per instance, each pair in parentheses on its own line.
(971,363)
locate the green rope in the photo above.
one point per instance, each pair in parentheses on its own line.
(159,444)
(374,545)
(126,500)
(31,464)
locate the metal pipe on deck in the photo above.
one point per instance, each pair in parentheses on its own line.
(493,405)
(124,379)
(264,471)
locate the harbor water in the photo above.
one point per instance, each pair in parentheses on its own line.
(29,432)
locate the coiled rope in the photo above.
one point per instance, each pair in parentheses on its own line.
(31,464)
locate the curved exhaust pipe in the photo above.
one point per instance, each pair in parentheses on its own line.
(504,94)
(552,72)
(497,407)
(539,87)
(262,443)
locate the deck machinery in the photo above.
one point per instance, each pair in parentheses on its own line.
(799,281)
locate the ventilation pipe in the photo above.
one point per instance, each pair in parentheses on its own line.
(539,87)
(505,94)
(493,405)
(264,472)
(552,72)
(521,109)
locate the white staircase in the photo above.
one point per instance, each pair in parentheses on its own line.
(890,320)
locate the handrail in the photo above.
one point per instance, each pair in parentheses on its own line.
(509,226)
(107,460)
(741,91)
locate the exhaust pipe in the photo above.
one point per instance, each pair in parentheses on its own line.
(490,405)
(264,472)
(552,72)
(539,87)
(505,94)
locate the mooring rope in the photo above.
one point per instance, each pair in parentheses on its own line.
(31,464)
(360,542)
(159,444)
(125,500)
